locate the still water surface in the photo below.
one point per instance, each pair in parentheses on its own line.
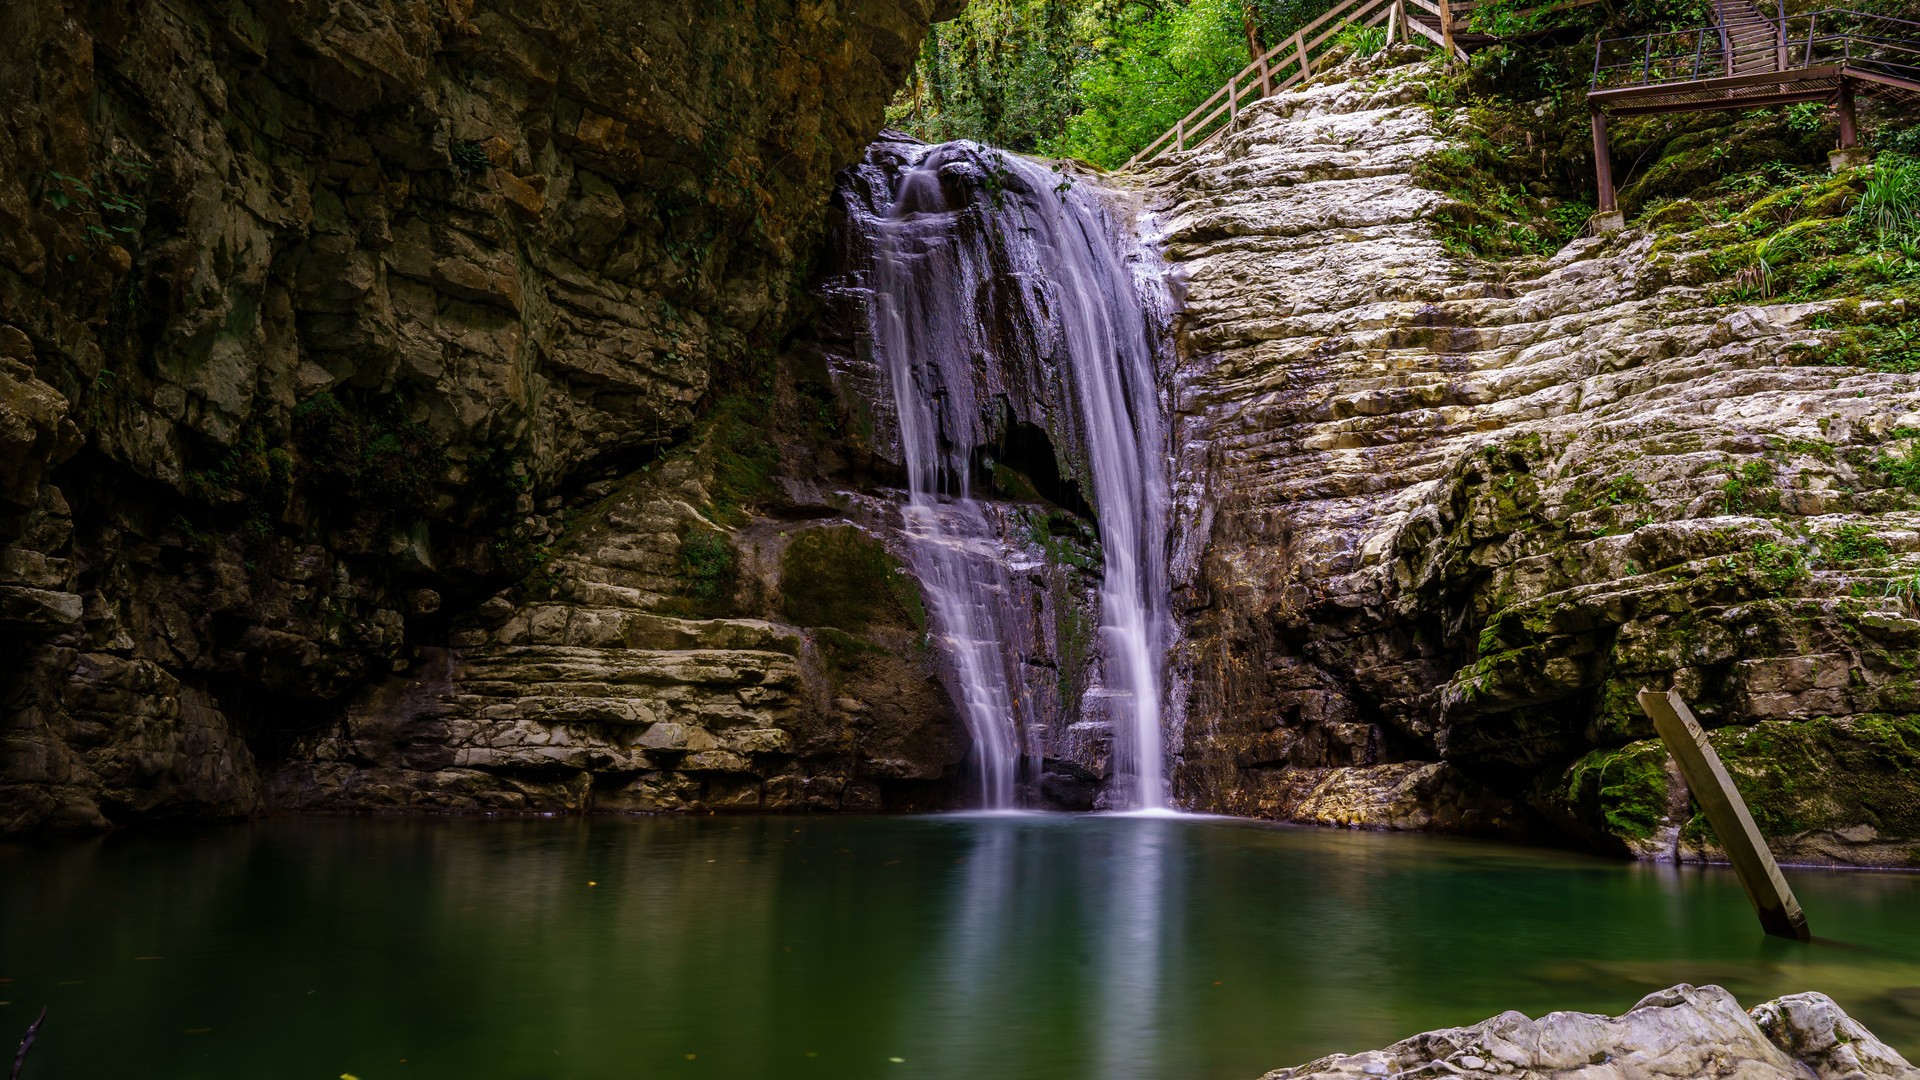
(1045,947)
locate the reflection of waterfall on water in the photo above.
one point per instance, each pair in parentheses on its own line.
(987,264)
(1136,926)
(988,942)
(1089,912)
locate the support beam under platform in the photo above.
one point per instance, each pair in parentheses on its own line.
(1603,162)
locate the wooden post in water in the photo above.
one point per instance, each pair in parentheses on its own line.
(1713,789)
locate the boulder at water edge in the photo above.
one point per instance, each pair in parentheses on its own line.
(1684,1031)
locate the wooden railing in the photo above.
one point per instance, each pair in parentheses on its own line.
(1292,62)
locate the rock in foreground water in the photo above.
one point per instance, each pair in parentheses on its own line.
(1683,1031)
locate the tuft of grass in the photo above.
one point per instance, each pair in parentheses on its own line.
(1889,204)
(1853,545)
(1362,40)
(1749,488)
(1902,468)
(1778,566)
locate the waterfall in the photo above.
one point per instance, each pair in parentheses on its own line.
(998,285)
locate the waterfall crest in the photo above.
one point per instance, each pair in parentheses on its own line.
(1000,293)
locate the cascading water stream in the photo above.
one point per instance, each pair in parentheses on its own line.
(916,330)
(967,236)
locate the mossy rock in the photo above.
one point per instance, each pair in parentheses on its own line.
(839,576)
(1622,793)
(711,573)
(1803,775)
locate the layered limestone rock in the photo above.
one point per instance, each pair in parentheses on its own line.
(310,314)
(1684,1031)
(663,660)
(1445,518)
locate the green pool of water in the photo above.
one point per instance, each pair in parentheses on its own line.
(985,948)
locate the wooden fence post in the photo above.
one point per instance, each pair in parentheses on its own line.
(1446,30)
(1300,51)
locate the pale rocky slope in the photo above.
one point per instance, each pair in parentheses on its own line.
(1446,517)
(1683,1031)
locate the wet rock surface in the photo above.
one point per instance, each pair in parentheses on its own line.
(1683,1031)
(1445,512)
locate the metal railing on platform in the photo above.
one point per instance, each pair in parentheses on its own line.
(1864,43)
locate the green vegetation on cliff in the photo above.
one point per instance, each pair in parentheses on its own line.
(1091,79)
(838,576)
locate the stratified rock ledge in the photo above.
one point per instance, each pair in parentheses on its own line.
(1683,1031)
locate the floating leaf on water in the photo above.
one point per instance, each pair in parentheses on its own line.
(690,1057)
(591,884)
(348,1076)
(898,1061)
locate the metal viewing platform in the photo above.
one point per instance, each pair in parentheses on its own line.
(1748,60)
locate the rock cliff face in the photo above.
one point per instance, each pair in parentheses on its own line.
(396,411)
(314,319)
(1447,517)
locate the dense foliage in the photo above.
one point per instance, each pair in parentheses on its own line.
(1099,79)
(1092,79)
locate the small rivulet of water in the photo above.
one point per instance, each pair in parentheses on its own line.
(988,271)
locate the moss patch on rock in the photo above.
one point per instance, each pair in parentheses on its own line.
(1622,792)
(738,456)
(839,576)
(711,571)
(1802,775)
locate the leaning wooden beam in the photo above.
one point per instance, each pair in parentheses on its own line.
(26,1044)
(1713,789)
